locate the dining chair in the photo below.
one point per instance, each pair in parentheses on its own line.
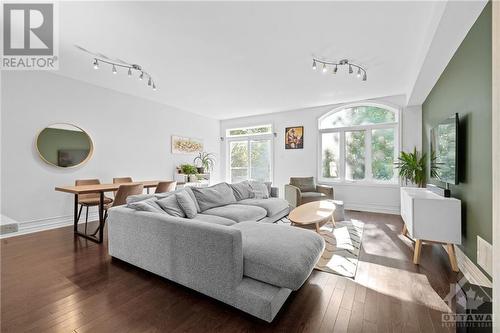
(124,191)
(121,180)
(90,199)
(166,186)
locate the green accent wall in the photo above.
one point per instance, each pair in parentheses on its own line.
(465,87)
(51,140)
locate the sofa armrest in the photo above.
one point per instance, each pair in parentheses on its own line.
(292,195)
(275,192)
(203,256)
(326,190)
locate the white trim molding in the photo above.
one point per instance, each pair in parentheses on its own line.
(29,227)
(470,270)
(496,161)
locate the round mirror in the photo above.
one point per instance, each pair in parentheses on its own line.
(64,145)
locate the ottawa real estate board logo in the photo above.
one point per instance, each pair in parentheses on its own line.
(30,36)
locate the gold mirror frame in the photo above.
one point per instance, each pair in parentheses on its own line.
(89,156)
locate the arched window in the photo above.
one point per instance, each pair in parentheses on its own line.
(359,143)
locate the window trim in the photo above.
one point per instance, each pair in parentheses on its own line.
(253,137)
(368,180)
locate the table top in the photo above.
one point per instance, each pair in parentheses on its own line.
(98,188)
(312,212)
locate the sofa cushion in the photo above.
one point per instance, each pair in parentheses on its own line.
(139,197)
(238,213)
(305,184)
(312,195)
(187,204)
(242,190)
(191,194)
(213,219)
(171,205)
(149,205)
(272,205)
(260,190)
(214,196)
(280,255)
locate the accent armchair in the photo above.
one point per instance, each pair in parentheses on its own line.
(303,189)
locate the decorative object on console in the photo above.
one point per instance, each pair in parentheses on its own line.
(99,58)
(206,161)
(360,71)
(64,145)
(412,167)
(183,145)
(294,137)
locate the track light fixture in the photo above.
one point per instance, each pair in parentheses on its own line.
(129,67)
(361,72)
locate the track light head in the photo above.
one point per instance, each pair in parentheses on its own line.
(359,73)
(114,69)
(141,76)
(129,72)
(335,69)
(314,64)
(324,68)
(149,81)
(350,69)
(96,64)
(364,76)
(154,86)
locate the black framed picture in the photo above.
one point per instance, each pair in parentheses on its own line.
(294,137)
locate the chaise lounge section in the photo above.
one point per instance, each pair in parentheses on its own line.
(250,265)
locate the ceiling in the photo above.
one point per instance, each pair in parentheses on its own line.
(234,59)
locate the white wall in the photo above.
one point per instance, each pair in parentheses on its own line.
(303,162)
(131,138)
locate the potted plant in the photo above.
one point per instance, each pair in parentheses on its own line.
(412,167)
(206,162)
(189,170)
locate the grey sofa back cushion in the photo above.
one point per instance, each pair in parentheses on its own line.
(187,204)
(242,190)
(260,190)
(305,184)
(148,205)
(139,197)
(214,196)
(191,194)
(171,206)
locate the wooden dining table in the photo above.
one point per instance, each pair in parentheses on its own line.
(76,190)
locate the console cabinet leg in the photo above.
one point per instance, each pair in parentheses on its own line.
(452,256)
(418,250)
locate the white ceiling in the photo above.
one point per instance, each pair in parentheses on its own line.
(227,60)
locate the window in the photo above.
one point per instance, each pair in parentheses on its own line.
(358,143)
(250,153)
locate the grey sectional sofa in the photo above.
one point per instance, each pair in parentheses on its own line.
(224,250)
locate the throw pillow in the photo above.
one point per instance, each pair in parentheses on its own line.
(191,194)
(242,190)
(149,205)
(187,204)
(305,184)
(214,196)
(139,197)
(259,190)
(171,206)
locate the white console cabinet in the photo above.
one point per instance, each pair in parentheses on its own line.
(429,217)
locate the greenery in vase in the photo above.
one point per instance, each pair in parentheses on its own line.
(412,167)
(205,160)
(188,169)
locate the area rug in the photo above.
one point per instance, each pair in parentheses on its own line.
(342,248)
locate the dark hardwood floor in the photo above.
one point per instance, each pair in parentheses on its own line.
(53,282)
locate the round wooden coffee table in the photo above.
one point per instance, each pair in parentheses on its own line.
(313,213)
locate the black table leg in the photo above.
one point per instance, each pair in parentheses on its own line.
(75,228)
(101,217)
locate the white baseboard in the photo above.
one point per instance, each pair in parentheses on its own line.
(366,207)
(29,227)
(470,270)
